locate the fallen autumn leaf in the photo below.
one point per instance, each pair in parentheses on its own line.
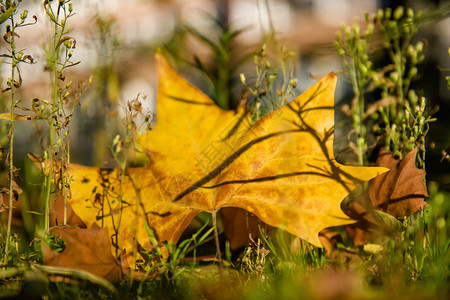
(282,168)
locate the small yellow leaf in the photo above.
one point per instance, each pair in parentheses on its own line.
(17,117)
(373,248)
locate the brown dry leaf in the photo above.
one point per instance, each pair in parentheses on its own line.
(86,249)
(329,239)
(57,213)
(281,169)
(43,164)
(360,208)
(4,196)
(373,107)
(401,191)
(238,225)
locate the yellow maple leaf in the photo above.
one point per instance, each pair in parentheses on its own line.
(282,168)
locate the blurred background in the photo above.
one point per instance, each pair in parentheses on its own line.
(116,42)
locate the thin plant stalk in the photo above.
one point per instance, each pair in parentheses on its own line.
(358,90)
(11,144)
(120,199)
(119,154)
(56,128)
(66,188)
(216,239)
(16,58)
(55,58)
(55,55)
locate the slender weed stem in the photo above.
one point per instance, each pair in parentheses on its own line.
(13,83)
(11,143)
(59,53)
(216,240)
